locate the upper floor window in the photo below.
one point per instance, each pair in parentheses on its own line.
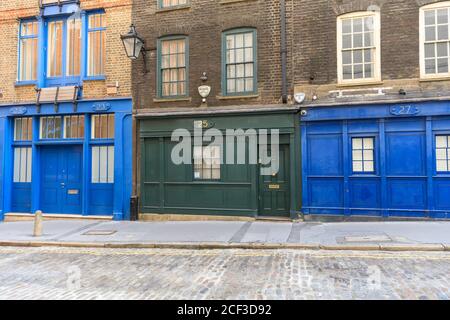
(173,64)
(63,36)
(358,46)
(28,49)
(239,62)
(96,44)
(434,40)
(171,3)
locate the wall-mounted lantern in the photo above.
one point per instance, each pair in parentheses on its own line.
(134,45)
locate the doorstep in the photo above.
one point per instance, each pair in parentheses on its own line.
(151,217)
(15,217)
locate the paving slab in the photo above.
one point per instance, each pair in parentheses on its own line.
(205,231)
(398,232)
(23,230)
(267,232)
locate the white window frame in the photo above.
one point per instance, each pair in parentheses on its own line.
(362,150)
(434,6)
(445,149)
(377,44)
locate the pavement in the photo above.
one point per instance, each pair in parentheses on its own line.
(384,236)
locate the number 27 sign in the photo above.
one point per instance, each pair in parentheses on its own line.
(404,110)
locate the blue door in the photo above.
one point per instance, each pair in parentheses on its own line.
(61,179)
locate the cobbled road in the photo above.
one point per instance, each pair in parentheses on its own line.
(71,273)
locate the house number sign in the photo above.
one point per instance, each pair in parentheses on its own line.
(18,111)
(404,110)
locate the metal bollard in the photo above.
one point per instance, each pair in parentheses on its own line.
(37,224)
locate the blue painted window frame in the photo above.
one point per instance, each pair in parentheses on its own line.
(374,154)
(85,30)
(101,142)
(88,31)
(159,66)
(19,53)
(61,137)
(161,6)
(64,79)
(224,61)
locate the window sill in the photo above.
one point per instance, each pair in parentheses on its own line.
(233,1)
(162,100)
(174,8)
(442,78)
(359,84)
(95,78)
(253,96)
(25,83)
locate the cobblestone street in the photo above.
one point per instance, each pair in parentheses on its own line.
(63,273)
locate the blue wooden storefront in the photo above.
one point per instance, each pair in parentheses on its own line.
(60,173)
(408,171)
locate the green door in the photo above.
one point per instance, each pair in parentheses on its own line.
(274,191)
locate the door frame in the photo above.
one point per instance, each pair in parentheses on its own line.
(81,175)
(285,140)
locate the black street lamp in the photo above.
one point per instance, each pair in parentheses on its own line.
(134,45)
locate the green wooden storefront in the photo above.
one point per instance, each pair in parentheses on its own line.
(166,188)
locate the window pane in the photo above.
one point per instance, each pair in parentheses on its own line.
(357,155)
(441,141)
(95,164)
(442,16)
(103,126)
(430,50)
(22,165)
(73,47)
(430,17)
(74,127)
(430,66)
(357,166)
(54,48)
(368,166)
(110,164)
(50,128)
(430,33)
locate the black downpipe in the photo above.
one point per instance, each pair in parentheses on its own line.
(283,52)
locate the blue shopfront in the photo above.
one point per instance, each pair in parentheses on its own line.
(69,159)
(377,160)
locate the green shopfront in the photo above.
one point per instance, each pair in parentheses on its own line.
(215,187)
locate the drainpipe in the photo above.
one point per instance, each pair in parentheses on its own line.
(283,51)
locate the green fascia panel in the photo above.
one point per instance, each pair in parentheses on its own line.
(168,188)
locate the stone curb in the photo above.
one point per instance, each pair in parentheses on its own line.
(217,246)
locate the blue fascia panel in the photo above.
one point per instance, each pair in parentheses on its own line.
(367,111)
(121,107)
(405,182)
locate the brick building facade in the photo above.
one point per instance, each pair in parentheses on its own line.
(212,34)
(375,123)
(65,107)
